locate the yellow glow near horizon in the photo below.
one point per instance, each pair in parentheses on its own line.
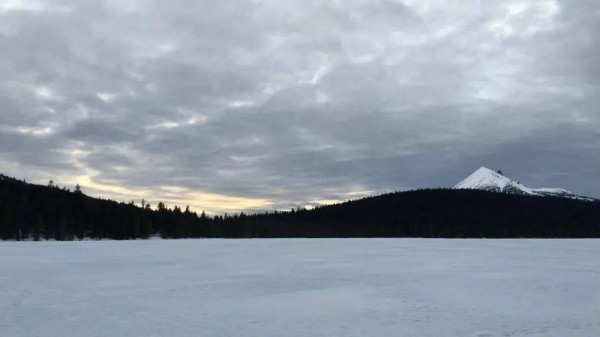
(198,201)
(211,203)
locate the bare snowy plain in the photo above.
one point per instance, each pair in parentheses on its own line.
(349,287)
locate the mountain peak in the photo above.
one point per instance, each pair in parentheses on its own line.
(485,178)
(490,180)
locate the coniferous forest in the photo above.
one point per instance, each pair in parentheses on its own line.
(35,212)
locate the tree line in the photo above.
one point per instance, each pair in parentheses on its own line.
(35,212)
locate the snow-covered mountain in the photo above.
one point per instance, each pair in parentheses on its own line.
(489,180)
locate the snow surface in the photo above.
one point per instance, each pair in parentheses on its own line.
(349,287)
(486,179)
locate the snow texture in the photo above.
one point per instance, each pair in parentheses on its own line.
(489,180)
(325,287)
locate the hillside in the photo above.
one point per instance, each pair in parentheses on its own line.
(29,211)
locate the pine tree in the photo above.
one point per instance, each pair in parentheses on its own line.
(38,228)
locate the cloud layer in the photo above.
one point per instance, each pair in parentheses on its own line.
(246,105)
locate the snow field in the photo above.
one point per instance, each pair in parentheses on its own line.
(324,287)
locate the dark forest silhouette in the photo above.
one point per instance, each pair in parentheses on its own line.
(29,211)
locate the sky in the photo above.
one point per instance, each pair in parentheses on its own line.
(247,105)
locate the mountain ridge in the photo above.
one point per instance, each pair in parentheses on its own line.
(494,181)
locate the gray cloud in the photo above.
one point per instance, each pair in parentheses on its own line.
(297,102)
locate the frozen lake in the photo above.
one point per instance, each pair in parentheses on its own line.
(260,288)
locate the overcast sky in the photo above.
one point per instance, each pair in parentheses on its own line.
(253,104)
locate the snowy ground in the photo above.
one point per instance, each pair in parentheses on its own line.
(290,288)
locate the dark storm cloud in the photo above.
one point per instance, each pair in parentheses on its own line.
(296,102)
